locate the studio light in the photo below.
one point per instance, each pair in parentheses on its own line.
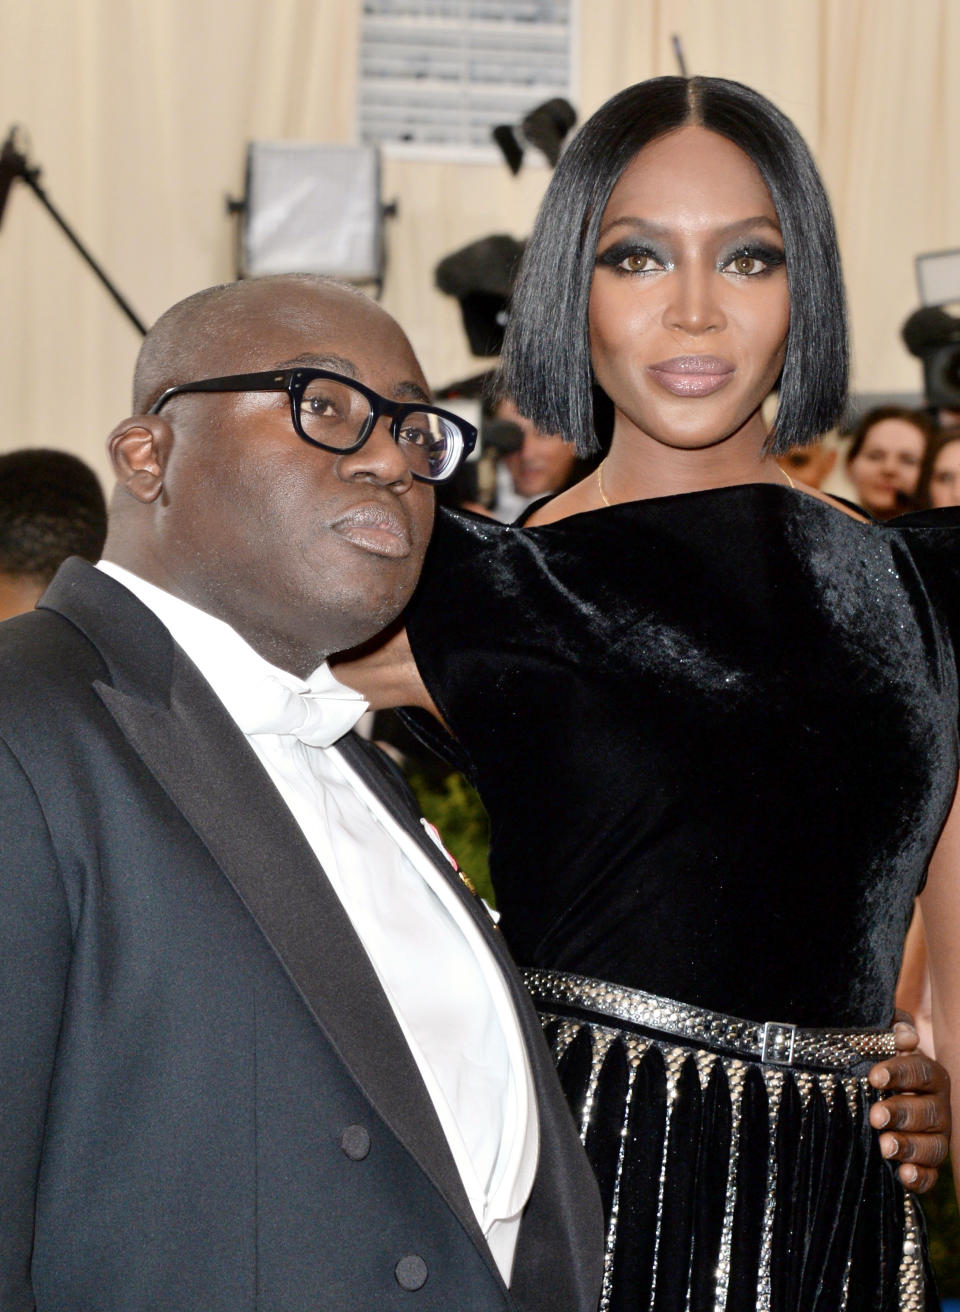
(311,208)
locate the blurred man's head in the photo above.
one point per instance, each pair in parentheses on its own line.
(809,464)
(543,463)
(51,507)
(223,502)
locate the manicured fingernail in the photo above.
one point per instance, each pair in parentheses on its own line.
(880,1077)
(908,1174)
(888,1147)
(880,1118)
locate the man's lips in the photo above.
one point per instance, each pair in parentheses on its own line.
(375,528)
(692,375)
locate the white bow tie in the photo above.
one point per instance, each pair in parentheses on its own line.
(318,713)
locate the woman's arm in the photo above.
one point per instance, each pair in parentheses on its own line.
(940,901)
(384,671)
(913,987)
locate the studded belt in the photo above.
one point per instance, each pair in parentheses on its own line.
(775,1043)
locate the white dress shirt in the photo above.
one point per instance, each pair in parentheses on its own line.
(446,990)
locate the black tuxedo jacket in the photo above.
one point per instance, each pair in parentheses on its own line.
(206,1104)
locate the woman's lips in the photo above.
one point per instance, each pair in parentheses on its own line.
(692,375)
(375,528)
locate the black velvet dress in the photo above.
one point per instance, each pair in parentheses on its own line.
(716,735)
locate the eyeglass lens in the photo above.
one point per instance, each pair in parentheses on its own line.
(335,413)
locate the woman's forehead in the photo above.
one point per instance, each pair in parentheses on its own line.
(691,171)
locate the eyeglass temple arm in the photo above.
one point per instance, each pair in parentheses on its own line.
(265,382)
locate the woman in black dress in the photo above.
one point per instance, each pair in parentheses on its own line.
(713,717)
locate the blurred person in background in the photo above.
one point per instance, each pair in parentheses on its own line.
(885,457)
(811,465)
(542,465)
(51,507)
(940,480)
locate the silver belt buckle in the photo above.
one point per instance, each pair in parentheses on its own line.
(778,1043)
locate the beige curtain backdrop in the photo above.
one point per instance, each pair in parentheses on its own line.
(139,112)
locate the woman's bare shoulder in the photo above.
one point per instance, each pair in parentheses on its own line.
(582,496)
(844,506)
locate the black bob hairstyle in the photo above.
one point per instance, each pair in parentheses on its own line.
(545,366)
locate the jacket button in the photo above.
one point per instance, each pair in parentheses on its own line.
(355,1142)
(411,1272)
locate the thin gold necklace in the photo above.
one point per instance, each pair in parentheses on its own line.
(603,495)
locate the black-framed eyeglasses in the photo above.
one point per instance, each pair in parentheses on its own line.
(338,414)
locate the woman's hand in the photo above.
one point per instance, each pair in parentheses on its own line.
(915,1118)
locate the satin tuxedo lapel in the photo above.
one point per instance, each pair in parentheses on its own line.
(180,730)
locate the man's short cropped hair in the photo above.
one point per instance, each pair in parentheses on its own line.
(51,507)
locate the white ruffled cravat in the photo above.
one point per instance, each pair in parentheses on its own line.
(318,711)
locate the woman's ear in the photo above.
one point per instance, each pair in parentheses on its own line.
(138,450)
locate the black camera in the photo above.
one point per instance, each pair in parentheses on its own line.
(933,335)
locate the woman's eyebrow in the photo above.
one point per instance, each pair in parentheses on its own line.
(654,229)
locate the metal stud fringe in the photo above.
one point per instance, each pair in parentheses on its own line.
(911,1276)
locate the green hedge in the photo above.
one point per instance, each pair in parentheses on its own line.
(454,807)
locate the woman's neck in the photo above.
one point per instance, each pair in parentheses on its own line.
(638,467)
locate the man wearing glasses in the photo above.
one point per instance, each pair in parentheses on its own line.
(259,1046)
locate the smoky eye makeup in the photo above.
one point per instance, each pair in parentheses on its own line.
(639,252)
(615,256)
(765,253)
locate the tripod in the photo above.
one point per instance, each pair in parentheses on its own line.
(13,164)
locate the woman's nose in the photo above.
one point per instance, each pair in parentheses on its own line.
(694,306)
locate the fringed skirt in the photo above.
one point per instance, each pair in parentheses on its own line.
(736,1163)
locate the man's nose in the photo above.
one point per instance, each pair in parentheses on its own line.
(380,459)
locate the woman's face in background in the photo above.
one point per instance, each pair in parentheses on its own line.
(945,476)
(689,305)
(886,469)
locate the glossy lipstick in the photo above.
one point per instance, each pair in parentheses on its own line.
(692,375)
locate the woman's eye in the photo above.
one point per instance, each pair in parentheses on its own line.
(639,262)
(751,263)
(747,264)
(630,259)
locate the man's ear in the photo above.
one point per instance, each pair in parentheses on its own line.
(138,450)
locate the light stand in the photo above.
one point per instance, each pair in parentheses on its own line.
(13,165)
